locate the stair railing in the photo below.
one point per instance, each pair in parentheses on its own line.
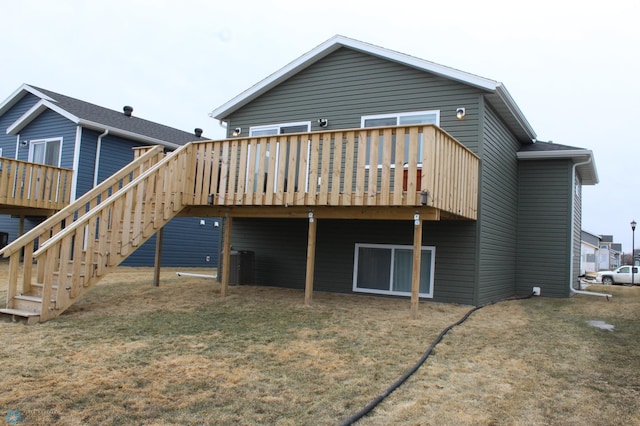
(25,245)
(107,234)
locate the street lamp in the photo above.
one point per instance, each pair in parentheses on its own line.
(633,249)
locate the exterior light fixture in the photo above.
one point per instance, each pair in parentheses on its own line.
(237,131)
(323,122)
(460,113)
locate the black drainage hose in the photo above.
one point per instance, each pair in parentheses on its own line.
(370,406)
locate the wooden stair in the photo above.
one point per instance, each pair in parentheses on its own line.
(71,251)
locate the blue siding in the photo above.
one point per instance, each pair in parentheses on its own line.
(8,142)
(186,242)
(50,124)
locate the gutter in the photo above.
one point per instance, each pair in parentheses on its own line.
(97,162)
(573,220)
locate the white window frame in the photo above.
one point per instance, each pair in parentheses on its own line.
(45,142)
(277,128)
(392,247)
(398,116)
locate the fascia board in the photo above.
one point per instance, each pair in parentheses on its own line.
(127,134)
(515,111)
(34,112)
(560,154)
(19,94)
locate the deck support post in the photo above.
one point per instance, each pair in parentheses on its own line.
(417,260)
(158,260)
(226,257)
(311,258)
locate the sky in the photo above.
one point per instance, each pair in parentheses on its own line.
(572,67)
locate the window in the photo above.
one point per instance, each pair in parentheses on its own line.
(46,151)
(280,129)
(399,119)
(387,269)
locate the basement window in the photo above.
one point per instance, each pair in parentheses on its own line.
(387,269)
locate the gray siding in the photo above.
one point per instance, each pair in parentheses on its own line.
(544,227)
(348,84)
(280,247)
(498,211)
(343,87)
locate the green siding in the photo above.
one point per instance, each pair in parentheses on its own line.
(280,251)
(544,227)
(348,84)
(498,211)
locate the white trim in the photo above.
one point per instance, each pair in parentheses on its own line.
(76,163)
(43,104)
(392,247)
(15,156)
(279,126)
(35,111)
(131,135)
(15,97)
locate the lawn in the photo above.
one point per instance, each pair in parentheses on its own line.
(130,353)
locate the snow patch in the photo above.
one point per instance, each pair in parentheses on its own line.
(600,324)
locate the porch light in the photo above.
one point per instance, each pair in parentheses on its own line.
(460,113)
(237,131)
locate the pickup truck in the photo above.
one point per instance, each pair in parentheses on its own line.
(622,275)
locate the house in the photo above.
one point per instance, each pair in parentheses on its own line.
(610,253)
(589,250)
(352,169)
(38,126)
(484,211)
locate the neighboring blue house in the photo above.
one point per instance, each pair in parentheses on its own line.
(40,126)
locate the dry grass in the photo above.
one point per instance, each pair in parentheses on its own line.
(130,353)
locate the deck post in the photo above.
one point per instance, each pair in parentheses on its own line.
(311,258)
(226,256)
(417,259)
(158,260)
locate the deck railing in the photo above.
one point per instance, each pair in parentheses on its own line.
(36,186)
(393,166)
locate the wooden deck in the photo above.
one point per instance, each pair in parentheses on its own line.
(417,166)
(33,189)
(412,173)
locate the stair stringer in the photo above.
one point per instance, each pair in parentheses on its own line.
(82,253)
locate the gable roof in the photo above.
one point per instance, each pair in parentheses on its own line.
(586,165)
(94,117)
(496,93)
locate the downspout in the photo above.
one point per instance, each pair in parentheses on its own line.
(573,220)
(97,162)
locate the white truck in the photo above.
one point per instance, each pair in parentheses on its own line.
(622,275)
